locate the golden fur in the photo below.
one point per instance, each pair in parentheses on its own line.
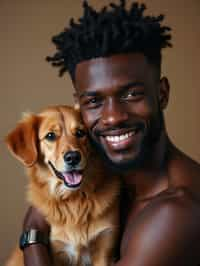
(84,222)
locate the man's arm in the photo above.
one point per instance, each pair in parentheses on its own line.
(36,254)
(166,234)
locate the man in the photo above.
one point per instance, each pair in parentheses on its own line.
(114,59)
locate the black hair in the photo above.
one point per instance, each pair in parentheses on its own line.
(112,30)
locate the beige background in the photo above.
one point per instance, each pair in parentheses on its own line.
(27,82)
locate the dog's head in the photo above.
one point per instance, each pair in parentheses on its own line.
(54,142)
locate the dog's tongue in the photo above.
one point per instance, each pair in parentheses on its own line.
(72,178)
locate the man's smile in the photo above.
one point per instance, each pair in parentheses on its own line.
(116,139)
(121,139)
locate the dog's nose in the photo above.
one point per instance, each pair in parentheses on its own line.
(72,158)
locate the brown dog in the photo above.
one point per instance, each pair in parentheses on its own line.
(70,187)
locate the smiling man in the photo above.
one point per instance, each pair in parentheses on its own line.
(114,59)
(119,106)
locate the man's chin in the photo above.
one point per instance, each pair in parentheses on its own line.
(123,164)
(121,160)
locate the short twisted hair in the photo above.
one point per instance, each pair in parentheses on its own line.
(112,30)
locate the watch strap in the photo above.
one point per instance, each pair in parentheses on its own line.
(33,236)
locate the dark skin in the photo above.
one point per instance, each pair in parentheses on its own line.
(123,96)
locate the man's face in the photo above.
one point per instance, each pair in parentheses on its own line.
(118,98)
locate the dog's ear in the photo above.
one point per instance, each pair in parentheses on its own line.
(76,102)
(22,141)
(77,106)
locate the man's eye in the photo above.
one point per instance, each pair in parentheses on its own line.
(80,133)
(130,94)
(133,95)
(50,136)
(92,102)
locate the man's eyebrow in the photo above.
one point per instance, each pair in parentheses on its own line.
(88,93)
(132,84)
(122,87)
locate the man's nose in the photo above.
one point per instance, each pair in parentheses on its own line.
(113,113)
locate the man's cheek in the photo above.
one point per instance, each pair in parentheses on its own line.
(89,118)
(85,118)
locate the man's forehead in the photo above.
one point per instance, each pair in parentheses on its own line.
(111,71)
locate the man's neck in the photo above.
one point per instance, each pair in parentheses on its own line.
(151,178)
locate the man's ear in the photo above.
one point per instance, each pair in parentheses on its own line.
(76,102)
(164,92)
(22,141)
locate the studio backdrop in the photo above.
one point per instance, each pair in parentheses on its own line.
(27,82)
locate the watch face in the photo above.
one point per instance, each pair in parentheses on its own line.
(33,236)
(23,240)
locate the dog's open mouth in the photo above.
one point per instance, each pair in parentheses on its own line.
(72,179)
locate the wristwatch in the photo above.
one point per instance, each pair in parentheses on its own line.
(33,236)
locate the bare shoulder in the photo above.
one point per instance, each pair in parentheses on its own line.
(177,206)
(185,164)
(185,172)
(167,229)
(174,203)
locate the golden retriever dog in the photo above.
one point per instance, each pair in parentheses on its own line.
(69,185)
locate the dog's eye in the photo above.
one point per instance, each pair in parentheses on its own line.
(80,133)
(51,136)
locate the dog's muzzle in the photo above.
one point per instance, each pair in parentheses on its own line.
(71,179)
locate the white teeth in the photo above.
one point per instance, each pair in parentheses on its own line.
(120,137)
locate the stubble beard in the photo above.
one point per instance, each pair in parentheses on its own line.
(151,137)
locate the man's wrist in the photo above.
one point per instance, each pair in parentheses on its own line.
(33,237)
